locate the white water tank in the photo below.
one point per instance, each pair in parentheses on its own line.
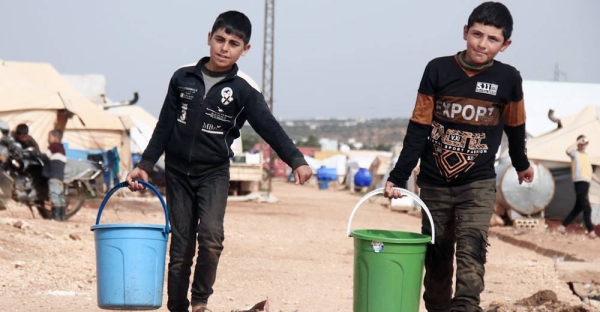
(527,198)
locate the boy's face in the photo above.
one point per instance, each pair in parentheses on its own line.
(22,137)
(225,50)
(483,43)
(52,139)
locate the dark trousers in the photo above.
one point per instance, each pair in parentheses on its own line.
(461,216)
(197,210)
(582,203)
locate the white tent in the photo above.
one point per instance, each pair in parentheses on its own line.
(338,162)
(565,98)
(21,101)
(313,163)
(92,86)
(89,128)
(141,125)
(549,149)
(551,146)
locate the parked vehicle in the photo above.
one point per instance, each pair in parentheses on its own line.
(21,179)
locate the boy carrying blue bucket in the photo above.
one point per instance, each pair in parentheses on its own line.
(206,106)
(464,103)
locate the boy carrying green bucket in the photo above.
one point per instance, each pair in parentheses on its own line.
(464,103)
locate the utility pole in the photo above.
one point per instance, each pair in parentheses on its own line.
(267,78)
(558,73)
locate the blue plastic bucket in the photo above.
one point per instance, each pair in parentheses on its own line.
(130,260)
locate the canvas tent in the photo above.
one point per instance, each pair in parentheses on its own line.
(378,170)
(549,150)
(22,101)
(565,98)
(551,146)
(90,127)
(92,86)
(140,123)
(136,119)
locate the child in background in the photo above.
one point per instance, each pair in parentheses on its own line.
(55,172)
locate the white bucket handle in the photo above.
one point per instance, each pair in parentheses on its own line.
(404,192)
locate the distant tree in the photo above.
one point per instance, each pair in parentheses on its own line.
(249,139)
(311,141)
(383,147)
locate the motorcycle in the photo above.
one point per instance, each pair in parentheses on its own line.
(21,179)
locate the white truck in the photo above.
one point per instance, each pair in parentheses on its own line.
(246,171)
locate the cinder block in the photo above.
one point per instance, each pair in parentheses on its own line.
(528,223)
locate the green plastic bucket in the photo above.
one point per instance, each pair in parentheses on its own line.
(388,265)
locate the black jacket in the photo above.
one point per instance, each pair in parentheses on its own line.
(196,131)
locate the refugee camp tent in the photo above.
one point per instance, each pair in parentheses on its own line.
(339,162)
(21,101)
(549,149)
(135,118)
(92,86)
(565,98)
(551,146)
(357,159)
(378,170)
(140,124)
(90,128)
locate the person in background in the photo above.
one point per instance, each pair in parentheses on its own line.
(21,135)
(55,172)
(27,142)
(582,173)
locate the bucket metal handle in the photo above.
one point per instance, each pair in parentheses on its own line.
(404,192)
(146,185)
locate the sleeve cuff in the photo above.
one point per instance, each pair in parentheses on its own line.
(398,183)
(297,162)
(522,166)
(146,165)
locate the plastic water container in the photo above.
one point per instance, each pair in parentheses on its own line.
(326,174)
(130,260)
(388,265)
(363,178)
(323,185)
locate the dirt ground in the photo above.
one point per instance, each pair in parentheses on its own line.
(294,252)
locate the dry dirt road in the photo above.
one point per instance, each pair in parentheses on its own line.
(294,252)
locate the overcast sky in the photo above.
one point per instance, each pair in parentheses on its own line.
(344,58)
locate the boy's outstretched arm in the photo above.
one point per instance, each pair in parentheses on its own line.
(417,133)
(265,124)
(514,127)
(158,143)
(412,148)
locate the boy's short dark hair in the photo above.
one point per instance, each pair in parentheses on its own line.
(57,134)
(22,129)
(234,22)
(494,14)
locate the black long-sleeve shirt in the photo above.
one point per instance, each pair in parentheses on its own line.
(457,123)
(196,130)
